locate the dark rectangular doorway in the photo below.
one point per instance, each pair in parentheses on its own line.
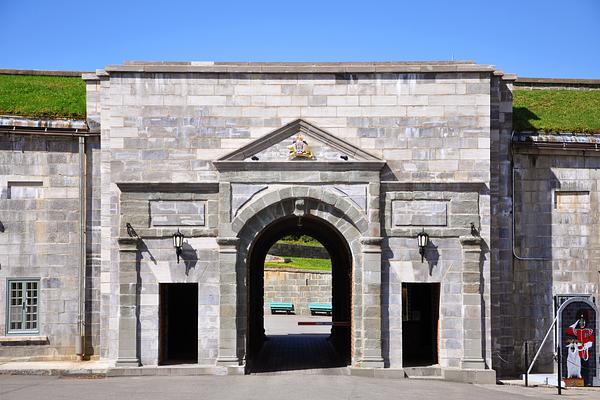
(420,317)
(178,331)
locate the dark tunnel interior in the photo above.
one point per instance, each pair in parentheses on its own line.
(341,260)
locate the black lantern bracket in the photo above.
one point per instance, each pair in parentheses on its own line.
(178,243)
(423,241)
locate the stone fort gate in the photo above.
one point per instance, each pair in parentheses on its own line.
(380,152)
(262,196)
(375,158)
(331,199)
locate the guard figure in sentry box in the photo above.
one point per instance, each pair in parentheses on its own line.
(578,322)
(581,339)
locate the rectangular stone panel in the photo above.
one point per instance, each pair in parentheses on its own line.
(574,201)
(177,213)
(25,190)
(419,213)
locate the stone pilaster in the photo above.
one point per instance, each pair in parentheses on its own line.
(371,303)
(228,247)
(471,293)
(128,281)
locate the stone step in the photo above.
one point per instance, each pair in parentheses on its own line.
(315,371)
(420,372)
(427,377)
(174,370)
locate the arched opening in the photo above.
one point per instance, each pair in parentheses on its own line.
(336,351)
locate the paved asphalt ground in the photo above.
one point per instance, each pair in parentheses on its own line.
(264,387)
(293,385)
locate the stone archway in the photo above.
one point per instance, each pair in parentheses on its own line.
(339,343)
(311,203)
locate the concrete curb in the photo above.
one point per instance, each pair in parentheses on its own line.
(452,375)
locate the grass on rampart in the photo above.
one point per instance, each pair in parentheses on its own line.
(42,96)
(556,110)
(533,110)
(300,240)
(319,264)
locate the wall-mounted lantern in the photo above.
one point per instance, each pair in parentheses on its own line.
(178,243)
(423,241)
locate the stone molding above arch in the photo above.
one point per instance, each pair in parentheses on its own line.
(308,129)
(349,211)
(303,201)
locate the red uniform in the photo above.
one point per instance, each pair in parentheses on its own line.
(584,336)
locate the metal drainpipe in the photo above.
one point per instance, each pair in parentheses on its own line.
(80,340)
(512,169)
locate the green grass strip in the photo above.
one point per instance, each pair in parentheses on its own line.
(556,110)
(42,96)
(533,110)
(319,264)
(313,243)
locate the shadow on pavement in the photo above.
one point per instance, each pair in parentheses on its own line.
(296,352)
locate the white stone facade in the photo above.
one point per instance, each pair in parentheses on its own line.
(424,145)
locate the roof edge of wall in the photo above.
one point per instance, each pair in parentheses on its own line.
(300,67)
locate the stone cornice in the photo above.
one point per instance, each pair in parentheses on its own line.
(169,187)
(371,244)
(301,67)
(371,240)
(299,165)
(227,241)
(128,243)
(470,241)
(554,141)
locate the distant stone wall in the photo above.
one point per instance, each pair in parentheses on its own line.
(299,288)
(40,72)
(556,83)
(295,250)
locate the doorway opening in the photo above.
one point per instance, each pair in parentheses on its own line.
(178,330)
(277,345)
(420,324)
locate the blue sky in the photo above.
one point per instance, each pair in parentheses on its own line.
(551,38)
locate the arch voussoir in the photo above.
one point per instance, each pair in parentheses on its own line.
(340,214)
(321,202)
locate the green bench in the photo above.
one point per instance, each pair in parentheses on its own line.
(281,306)
(319,308)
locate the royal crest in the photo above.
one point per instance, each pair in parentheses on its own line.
(300,149)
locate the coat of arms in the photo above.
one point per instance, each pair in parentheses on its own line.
(300,149)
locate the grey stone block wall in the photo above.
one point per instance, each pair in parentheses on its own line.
(556,203)
(438,121)
(199,265)
(40,238)
(298,288)
(443,264)
(296,250)
(168,127)
(157,263)
(93,248)
(419,212)
(177,213)
(445,137)
(501,306)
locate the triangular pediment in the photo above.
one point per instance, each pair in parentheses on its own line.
(275,147)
